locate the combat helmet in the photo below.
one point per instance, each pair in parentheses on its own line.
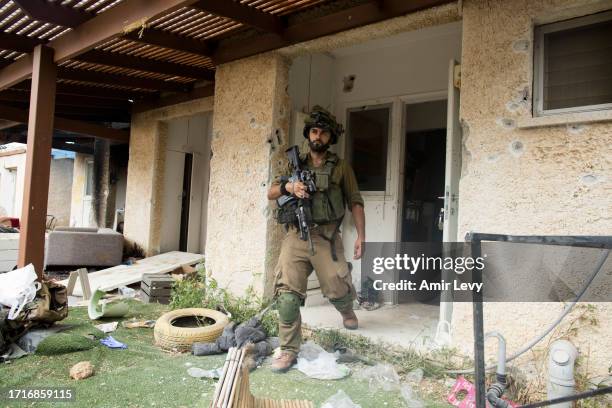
(321,118)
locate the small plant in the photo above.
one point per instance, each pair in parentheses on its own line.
(204,291)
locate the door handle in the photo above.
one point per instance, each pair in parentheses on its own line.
(441,220)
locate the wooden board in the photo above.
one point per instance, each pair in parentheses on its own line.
(123,275)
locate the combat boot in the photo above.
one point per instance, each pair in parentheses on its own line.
(349,320)
(283,362)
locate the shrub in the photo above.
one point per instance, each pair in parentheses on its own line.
(204,291)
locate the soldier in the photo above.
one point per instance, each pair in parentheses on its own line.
(336,187)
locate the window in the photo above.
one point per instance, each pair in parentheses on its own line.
(368,136)
(573,65)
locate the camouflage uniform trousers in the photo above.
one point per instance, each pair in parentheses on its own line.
(295,264)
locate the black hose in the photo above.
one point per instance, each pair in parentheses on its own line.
(588,394)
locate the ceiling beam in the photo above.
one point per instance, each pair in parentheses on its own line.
(353,17)
(53,13)
(98,77)
(125,16)
(69,125)
(13,95)
(145,64)
(154,103)
(92,91)
(242,13)
(160,38)
(19,43)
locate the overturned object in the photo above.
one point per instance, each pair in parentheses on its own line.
(174,330)
(96,309)
(81,370)
(233,388)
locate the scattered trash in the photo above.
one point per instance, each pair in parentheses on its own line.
(81,370)
(134,324)
(381,376)
(412,400)
(127,293)
(339,400)
(12,352)
(17,288)
(200,373)
(110,342)
(462,387)
(318,363)
(98,309)
(415,376)
(107,327)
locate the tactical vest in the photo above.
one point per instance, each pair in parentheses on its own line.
(327,201)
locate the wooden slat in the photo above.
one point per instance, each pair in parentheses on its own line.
(160,38)
(145,64)
(242,13)
(154,103)
(53,13)
(124,80)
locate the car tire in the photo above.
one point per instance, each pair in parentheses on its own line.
(171,337)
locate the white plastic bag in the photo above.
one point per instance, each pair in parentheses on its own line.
(318,363)
(339,400)
(18,288)
(380,376)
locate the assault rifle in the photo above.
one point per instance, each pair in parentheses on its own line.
(303,211)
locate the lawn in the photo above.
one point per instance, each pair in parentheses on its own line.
(145,376)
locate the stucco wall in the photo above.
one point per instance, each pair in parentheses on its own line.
(250,126)
(145,176)
(548,180)
(60,190)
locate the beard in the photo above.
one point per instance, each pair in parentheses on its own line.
(318,147)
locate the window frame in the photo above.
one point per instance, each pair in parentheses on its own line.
(538,63)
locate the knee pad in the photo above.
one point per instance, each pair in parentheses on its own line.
(288,305)
(344,304)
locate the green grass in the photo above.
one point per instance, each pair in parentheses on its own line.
(145,376)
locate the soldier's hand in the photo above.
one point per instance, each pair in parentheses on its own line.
(358,248)
(298,189)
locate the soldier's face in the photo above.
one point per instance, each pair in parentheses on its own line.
(319,139)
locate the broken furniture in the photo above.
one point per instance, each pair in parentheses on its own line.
(156,288)
(81,275)
(233,389)
(179,329)
(123,275)
(72,246)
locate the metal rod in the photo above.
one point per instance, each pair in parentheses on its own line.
(478,315)
(588,394)
(584,241)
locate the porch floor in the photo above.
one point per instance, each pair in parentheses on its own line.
(406,325)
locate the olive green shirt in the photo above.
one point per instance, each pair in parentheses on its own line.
(343,175)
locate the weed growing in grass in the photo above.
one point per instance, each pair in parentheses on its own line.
(204,291)
(433,364)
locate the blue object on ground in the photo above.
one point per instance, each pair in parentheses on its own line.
(110,342)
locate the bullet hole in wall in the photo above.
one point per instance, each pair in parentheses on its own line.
(517,148)
(349,83)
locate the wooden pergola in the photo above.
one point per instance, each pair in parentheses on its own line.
(79,66)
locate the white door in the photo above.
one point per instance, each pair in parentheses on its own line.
(172,201)
(372,147)
(451,193)
(11,188)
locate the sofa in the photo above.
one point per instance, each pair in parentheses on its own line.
(74,246)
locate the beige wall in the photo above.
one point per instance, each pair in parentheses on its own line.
(60,190)
(250,127)
(145,175)
(546,180)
